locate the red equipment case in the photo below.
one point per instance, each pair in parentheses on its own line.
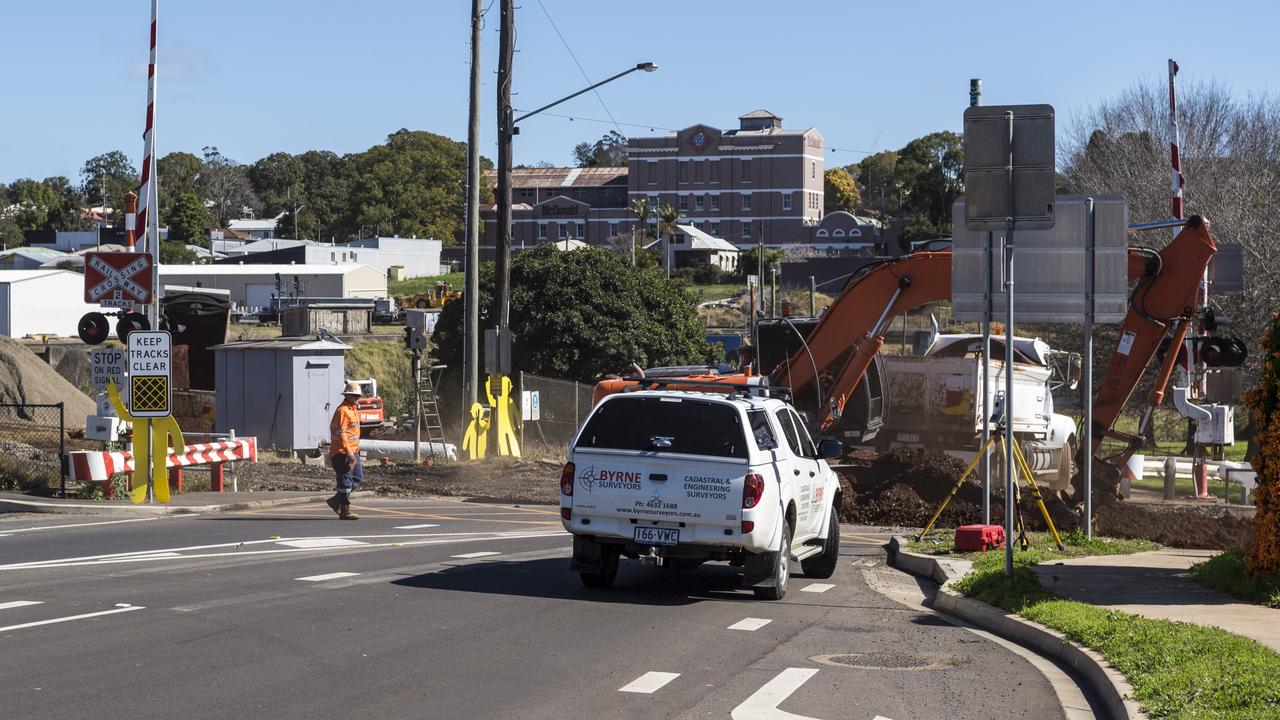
(971,538)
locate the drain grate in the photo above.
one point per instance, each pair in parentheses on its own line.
(889,661)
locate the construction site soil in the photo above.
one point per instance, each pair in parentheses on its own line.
(499,480)
(900,488)
(904,487)
(26,379)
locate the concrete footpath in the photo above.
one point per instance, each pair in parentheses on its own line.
(179,503)
(1158,584)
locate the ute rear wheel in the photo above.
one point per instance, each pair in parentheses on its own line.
(605,576)
(781,570)
(824,566)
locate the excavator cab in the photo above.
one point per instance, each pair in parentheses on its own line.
(863,413)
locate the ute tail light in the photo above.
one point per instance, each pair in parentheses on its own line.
(566,480)
(752,490)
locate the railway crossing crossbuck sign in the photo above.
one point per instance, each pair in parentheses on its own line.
(150,374)
(117,279)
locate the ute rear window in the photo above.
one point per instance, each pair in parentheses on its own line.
(666,425)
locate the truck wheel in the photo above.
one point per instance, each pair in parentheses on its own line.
(1066,468)
(605,576)
(781,570)
(824,566)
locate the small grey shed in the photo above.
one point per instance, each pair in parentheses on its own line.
(282,391)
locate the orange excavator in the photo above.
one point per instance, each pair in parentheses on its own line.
(833,364)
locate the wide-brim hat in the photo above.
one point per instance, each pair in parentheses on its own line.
(353,388)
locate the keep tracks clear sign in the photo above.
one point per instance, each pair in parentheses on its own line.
(150,374)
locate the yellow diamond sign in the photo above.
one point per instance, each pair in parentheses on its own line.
(150,374)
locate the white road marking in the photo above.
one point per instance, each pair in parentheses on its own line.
(327,576)
(320,542)
(237,549)
(18,604)
(817,587)
(763,704)
(77,525)
(483,553)
(119,609)
(749,624)
(649,682)
(415,527)
(880,717)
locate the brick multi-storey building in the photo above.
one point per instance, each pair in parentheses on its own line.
(758,182)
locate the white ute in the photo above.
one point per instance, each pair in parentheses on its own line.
(681,478)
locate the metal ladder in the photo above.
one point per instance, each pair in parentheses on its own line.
(429,411)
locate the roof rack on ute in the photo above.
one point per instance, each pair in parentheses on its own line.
(733,389)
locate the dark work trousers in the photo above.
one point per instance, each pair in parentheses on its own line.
(349,476)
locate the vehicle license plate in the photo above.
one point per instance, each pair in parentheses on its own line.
(657,536)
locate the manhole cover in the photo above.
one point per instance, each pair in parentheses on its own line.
(888,661)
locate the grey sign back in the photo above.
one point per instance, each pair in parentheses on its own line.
(986,167)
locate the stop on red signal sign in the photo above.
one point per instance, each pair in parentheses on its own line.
(117,279)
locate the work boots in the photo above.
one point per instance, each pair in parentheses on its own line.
(345,513)
(335,503)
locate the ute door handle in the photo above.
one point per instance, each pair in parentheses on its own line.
(658,477)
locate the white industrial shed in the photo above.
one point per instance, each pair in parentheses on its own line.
(420,257)
(35,302)
(253,285)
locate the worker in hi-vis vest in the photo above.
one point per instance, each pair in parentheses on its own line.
(344,451)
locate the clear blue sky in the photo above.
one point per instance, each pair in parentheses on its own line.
(257,76)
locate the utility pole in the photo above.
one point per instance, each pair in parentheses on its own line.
(501,296)
(471,267)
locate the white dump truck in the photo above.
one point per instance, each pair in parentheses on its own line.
(935,401)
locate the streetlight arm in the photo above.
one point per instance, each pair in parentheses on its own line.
(647,67)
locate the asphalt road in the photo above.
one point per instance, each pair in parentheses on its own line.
(442,609)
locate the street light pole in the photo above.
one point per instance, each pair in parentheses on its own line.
(508,127)
(471,266)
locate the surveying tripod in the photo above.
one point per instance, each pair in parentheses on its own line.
(1020,466)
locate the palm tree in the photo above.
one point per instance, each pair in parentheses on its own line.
(641,209)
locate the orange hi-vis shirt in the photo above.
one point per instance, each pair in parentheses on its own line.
(344,431)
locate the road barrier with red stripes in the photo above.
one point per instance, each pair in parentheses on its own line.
(101,466)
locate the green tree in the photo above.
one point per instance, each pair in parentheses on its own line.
(749,262)
(173,252)
(33,201)
(609,151)
(108,175)
(68,213)
(618,315)
(931,170)
(840,191)
(876,176)
(188,220)
(414,184)
(10,233)
(177,173)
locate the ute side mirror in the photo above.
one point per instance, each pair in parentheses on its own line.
(830,448)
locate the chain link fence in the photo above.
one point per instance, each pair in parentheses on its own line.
(562,407)
(33,443)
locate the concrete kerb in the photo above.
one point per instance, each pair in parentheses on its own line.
(1108,684)
(12,505)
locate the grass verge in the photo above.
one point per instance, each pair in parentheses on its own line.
(1225,572)
(1177,670)
(942,542)
(396,288)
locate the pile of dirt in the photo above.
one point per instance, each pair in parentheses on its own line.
(26,379)
(904,487)
(500,479)
(1183,526)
